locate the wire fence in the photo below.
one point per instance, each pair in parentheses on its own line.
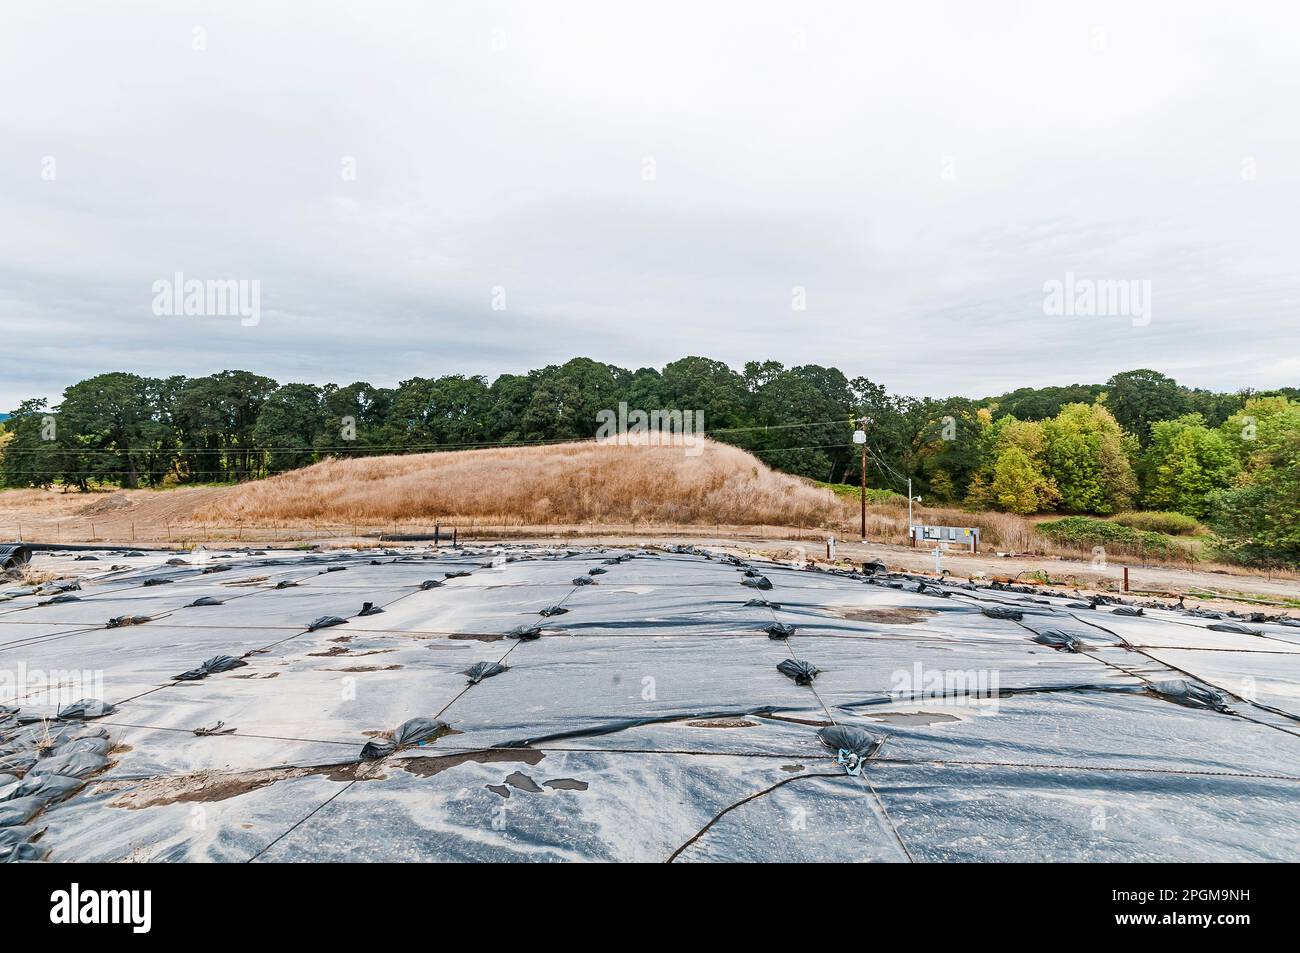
(185,534)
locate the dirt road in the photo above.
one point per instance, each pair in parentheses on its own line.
(164,518)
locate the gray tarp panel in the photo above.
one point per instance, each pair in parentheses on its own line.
(654,704)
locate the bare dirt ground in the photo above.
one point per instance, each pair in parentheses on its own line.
(166,519)
(144,516)
(1069,573)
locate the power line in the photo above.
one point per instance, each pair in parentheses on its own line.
(362,450)
(358,446)
(103,473)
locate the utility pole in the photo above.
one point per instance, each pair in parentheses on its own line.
(860,438)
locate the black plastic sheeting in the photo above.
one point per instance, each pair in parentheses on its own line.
(406,734)
(851,739)
(623,724)
(564,693)
(779,630)
(1061,641)
(481,670)
(14,556)
(1003,612)
(54,759)
(525,633)
(214,665)
(324,622)
(757,582)
(1192,695)
(59,600)
(86,708)
(802,672)
(1236,627)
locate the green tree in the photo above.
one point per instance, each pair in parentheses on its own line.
(355,418)
(565,400)
(115,423)
(1041,403)
(950,450)
(509,397)
(29,458)
(804,412)
(1018,485)
(709,387)
(1087,456)
(444,412)
(1140,398)
(643,389)
(287,426)
(1015,479)
(1184,463)
(215,417)
(899,430)
(1259,520)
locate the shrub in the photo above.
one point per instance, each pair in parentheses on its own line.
(1175,524)
(1085,532)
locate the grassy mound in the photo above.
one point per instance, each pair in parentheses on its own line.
(564,483)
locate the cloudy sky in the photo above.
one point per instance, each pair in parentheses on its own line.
(638,182)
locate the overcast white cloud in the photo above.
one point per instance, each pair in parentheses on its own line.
(921,170)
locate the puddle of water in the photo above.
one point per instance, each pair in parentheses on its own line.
(566,784)
(523,782)
(427,767)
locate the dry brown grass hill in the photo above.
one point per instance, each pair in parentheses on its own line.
(563,483)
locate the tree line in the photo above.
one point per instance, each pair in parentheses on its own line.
(1138,440)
